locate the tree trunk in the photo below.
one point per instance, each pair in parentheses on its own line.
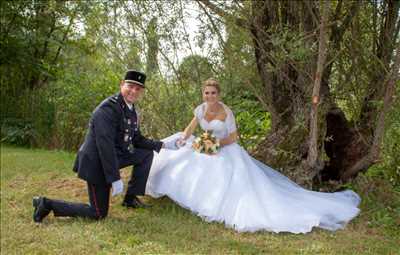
(352,143)
(312,157)
(153,48)
(373,154)
(288,86)
(287,89)
(384,57)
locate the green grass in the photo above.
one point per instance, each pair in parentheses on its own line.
(165,228)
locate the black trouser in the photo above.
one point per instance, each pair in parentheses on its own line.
(99,197)
(141,160)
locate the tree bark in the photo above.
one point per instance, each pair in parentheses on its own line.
(313,147)
(384,53)
(289,146)
(374,151)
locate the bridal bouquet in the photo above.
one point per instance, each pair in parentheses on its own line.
(207,143)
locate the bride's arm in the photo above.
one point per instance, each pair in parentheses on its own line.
(228,140)
(190,129)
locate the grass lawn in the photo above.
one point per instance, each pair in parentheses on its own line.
(166,228)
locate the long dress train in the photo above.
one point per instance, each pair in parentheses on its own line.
(245,194)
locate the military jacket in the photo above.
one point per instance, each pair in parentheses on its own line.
(113,132)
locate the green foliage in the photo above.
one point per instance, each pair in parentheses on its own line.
(60,59)
(17,131)
(383,200)
(33,43)
(252,121)
(167,107)
(76,96)
(195,69)
(389,166)
(291,45)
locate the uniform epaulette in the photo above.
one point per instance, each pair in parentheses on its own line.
(114,99)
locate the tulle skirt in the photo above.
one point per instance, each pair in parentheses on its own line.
(243,193)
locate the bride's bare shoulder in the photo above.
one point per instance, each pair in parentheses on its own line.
(226,108)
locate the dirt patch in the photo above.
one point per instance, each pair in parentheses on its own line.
(70,185)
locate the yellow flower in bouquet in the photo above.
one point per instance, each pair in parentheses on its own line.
(207,143)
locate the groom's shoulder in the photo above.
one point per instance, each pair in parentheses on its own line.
(110,103)
(114,99)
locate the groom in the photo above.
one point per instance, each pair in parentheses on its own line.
(112,142)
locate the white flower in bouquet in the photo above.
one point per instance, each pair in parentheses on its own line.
(207,143)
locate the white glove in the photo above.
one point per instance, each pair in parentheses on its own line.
(117,187)
(171,145)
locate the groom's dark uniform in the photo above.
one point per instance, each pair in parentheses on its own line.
(113,141)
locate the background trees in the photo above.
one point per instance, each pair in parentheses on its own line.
(360,66)
(60,59)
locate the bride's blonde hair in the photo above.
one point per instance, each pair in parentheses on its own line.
(211,82)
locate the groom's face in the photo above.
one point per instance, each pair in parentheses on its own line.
(131,91)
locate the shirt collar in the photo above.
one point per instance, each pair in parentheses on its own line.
(130,106)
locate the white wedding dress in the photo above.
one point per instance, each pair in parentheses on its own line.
(243,193)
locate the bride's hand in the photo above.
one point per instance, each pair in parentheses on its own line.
(170,145)
(180,142)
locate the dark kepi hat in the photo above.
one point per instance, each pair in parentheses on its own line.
(136,77)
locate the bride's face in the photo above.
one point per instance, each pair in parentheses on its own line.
(210,95)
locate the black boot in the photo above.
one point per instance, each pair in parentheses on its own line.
(134,202)
(41,208)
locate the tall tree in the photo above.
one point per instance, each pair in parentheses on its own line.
(152,47)
(285,43)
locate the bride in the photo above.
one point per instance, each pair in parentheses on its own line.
(236,189)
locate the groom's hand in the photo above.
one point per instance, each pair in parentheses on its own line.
(117,187)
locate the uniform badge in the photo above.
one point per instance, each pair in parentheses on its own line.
(131,148)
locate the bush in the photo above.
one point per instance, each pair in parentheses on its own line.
(253,123)
(17,131)
(389,166)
